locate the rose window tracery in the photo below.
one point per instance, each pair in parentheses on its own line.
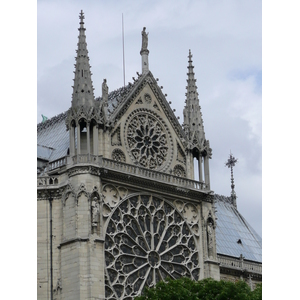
(146,241)
(118,155)
(148,140)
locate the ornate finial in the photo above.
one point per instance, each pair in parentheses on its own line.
(190,55)
(230,164)
(81,17)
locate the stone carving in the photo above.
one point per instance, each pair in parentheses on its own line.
(147,240)
(180,155)
(210,243)
(156,106)
(116,137)
(118,155)
(147,98)
(104,91)
(190,213)
(179,171)
(139,101)
(144,39)
(110,195)
(95,212)
(147,140)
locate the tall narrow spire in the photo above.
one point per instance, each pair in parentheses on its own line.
(230,164)
(193,123)
(83,91)
(198,146)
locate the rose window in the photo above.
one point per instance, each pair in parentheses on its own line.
(146,241)
(147,141)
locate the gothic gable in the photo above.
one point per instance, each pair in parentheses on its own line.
(146,132)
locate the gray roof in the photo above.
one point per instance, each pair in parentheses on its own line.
(232,227)
(44,152)
(53,134)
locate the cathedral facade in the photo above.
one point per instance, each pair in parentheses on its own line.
(118,205)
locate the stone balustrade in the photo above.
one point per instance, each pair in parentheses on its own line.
(180,182)
(240,264)
(57,163)
(47,180)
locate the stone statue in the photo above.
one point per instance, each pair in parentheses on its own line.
(144,39)
(210,238)
(95,211)
(104,91)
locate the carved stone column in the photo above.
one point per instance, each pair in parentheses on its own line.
(200,168)
(88,139)
(78,137)
(72,140)
(206,171)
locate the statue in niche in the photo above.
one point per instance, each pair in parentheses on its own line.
(95,212)
(144,39)
(104,91)
(210,238)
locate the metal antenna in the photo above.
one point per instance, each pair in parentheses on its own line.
(123,49)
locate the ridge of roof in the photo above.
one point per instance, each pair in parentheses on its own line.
(48,123)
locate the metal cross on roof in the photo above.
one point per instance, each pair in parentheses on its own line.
(81,16)
(230,164)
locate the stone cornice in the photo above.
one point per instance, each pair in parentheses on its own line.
(145,179)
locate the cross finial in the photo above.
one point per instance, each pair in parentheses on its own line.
(231,161)
(81,17)
(230,164)
(190,55)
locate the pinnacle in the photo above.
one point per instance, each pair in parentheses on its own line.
(83,85)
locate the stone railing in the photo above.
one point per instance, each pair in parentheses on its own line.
(240,264)
(180,182)
(109,164)
(254,267)
(47,180)
(57,163)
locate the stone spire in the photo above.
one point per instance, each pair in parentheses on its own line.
(198,147)
(230,164)
(144,51)
(193,123)
(83,91)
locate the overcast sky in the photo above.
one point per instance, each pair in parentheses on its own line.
(225,38)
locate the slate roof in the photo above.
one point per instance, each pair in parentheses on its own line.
(231,227)
(53,134)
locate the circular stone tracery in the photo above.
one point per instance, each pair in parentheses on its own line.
(146,241)
(147,139)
